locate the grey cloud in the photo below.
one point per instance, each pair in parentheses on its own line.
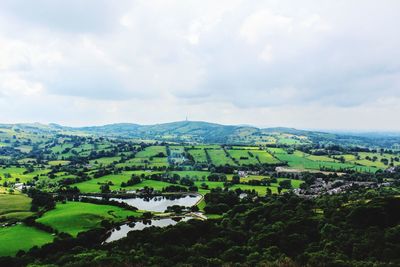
(71,16)
(337,54)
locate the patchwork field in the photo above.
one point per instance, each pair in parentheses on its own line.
(243,157)
(19,174)
(199,155)
(377,160)
(300,160)
(58,162)
(192,174)
(104,161)
(219,158)
(261,190)
(115,180)
(150,157)
(264,157)
(236,156)
(151,151)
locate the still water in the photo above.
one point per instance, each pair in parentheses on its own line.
(126,228)
(159,203)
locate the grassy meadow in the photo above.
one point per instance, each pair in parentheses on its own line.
(21,237)
(75,217)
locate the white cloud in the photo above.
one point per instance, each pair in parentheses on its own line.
(266,54)
(264,24)
(14,86)
(267,63)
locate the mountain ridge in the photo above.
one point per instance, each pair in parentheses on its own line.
(208,132)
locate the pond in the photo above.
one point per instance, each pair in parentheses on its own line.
(123,230)
(160,203)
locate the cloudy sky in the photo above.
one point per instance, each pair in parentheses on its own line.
(307,64)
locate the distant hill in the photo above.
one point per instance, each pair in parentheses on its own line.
(206,132)
(186,131)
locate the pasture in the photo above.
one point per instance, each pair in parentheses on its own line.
(151,151)
(303,161)
(199,155)
(19,174)
(58,162)
(21,237)
(104,161)
(115,180)
(264,157)
(197,175)
(15,207)
(243,157)
(76,217)
(219,158)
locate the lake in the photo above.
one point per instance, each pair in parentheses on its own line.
(160,203)
(126,228)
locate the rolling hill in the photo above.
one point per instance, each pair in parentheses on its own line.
(205,132)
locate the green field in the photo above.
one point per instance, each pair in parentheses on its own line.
(243,157)
(151,151)
(177,149)
(104,161)
(246,147)
(27,160)
(93,185)
(261,190)
(145,162)
(371,159)
(252,157)
(219,158)
(199,155)
(303,161)
(148,158)
(197,175)
(289,141)
(15,207)
(17,174)
(75,217)
(60,148)
(58,162)
(264,157)
(210,184)
(157,185)
(21,237)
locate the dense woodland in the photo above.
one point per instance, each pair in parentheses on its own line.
(345,230)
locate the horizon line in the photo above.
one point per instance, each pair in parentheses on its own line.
(331,130)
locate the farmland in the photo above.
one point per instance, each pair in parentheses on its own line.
(75,217)
(300,160)
(14,207)
(243,157)
(10,239)
(219,157)
(199,155)
(42,182)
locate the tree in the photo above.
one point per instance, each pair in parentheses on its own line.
(285,184)
(269,191)
(235,179)
(279,190)
(105,189)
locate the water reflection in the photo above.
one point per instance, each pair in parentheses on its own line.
(160,203)
(123,230)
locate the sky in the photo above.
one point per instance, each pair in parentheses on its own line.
(310,64)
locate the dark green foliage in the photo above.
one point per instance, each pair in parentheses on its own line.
(41,200)
(282,231)
(132,181)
